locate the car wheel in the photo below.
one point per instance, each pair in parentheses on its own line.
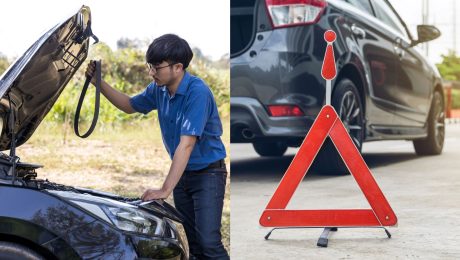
(434,142)
(347,102)
(270,148)
(15,251)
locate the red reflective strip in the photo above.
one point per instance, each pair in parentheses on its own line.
(319,218)
(330,36)
(303,159)
(328,70)
(297,112)
(285,110)
(363,176)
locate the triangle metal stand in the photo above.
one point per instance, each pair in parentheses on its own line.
(323,239)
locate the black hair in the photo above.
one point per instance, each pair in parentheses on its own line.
(169,47)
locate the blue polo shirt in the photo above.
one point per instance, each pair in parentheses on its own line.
(191,111)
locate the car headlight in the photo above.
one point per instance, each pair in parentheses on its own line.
(126,218)
(137,220)
(134,220)
(178,228)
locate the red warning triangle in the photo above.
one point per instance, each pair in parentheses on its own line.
(328,124)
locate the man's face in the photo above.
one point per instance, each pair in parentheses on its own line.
(164,73)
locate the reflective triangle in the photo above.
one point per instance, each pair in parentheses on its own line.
(328,124)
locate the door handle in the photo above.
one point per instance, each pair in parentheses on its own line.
(398,49)
(358,31)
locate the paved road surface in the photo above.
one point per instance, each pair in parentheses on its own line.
(424,192)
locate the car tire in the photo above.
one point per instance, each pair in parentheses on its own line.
(15,251)
(272,149)
(348,105)
(434,142)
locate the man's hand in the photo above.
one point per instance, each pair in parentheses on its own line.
(90,71)
(154,194)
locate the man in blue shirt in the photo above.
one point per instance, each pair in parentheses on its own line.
(191,131)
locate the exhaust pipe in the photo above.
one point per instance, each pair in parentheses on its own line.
(247,133)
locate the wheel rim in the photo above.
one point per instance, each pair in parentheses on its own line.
(351,115)
(438,118)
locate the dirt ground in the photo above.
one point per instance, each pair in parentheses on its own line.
(424,192)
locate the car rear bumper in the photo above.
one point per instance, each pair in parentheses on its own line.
(250,122)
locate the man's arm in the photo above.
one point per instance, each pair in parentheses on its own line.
(179,162)
(118,99)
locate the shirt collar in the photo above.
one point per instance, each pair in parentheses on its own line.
(183,85)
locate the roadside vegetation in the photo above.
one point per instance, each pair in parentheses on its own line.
(450,71)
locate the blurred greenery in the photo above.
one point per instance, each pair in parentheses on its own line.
(455,98)
(125,69)
(450,66)
(450,71)
(3,63)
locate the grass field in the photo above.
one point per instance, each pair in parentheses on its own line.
(122,160)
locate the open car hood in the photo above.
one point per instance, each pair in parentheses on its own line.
(33,83)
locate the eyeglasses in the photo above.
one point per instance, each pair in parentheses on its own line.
(155,69)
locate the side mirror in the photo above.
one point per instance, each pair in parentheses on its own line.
(426,33)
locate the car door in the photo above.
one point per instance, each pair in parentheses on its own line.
(414,77)
(376,46)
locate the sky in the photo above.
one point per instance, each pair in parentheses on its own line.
(203,23)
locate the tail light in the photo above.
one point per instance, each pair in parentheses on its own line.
(285,110)
(284,13)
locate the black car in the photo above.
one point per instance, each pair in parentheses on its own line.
(40,219)
(384,89)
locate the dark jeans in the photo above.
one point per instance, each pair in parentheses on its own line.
(199,197)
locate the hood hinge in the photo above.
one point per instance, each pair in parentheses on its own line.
(13,158)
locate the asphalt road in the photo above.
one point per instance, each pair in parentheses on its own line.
(424,192)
